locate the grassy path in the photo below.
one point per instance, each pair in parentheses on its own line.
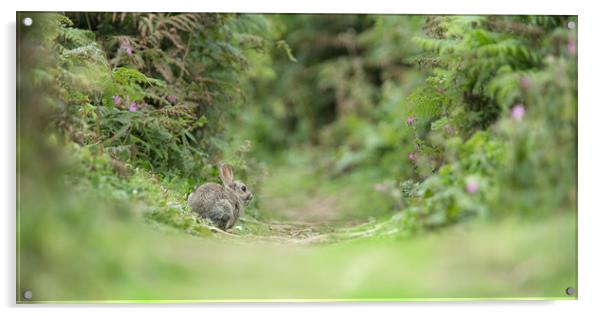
(299,205)
(509,259)
(289,251)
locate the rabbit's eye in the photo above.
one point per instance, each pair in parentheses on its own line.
(243,188)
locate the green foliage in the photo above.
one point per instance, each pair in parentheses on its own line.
(514,80)
(428,101)
(378,128)
(342,91)
(427,104)
(141,103)
(155,90)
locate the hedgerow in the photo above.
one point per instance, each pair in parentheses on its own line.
(467,116)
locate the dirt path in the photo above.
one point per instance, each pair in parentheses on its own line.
(299,205)
(315,209)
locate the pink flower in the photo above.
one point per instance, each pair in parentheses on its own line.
(125,46)
(410,120)
(133,107)
(518,112)
(472,187)
(172,99)
(571,46)
(412,156)
(117,100)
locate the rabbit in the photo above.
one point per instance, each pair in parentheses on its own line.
(222,204)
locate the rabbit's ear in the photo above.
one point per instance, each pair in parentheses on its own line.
(226,174)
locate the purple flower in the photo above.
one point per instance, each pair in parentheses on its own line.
(412,156)
(518,112)
(133,107)
(472,187)
(125,46)
(571,46)
(117,100)
(410,120)
(172,99)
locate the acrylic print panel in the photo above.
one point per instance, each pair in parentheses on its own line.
(175,157)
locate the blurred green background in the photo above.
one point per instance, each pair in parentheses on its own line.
(392,157)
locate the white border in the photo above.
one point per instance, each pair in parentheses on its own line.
(316,6)
(590,116)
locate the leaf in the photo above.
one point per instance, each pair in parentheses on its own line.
(281,44)
(439,124)
(202,121)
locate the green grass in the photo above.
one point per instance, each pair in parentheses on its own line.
(303,194)
(97,245)
(134,262)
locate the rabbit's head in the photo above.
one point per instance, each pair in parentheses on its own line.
(241,190)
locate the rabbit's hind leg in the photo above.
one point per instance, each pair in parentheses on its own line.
(221,214)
